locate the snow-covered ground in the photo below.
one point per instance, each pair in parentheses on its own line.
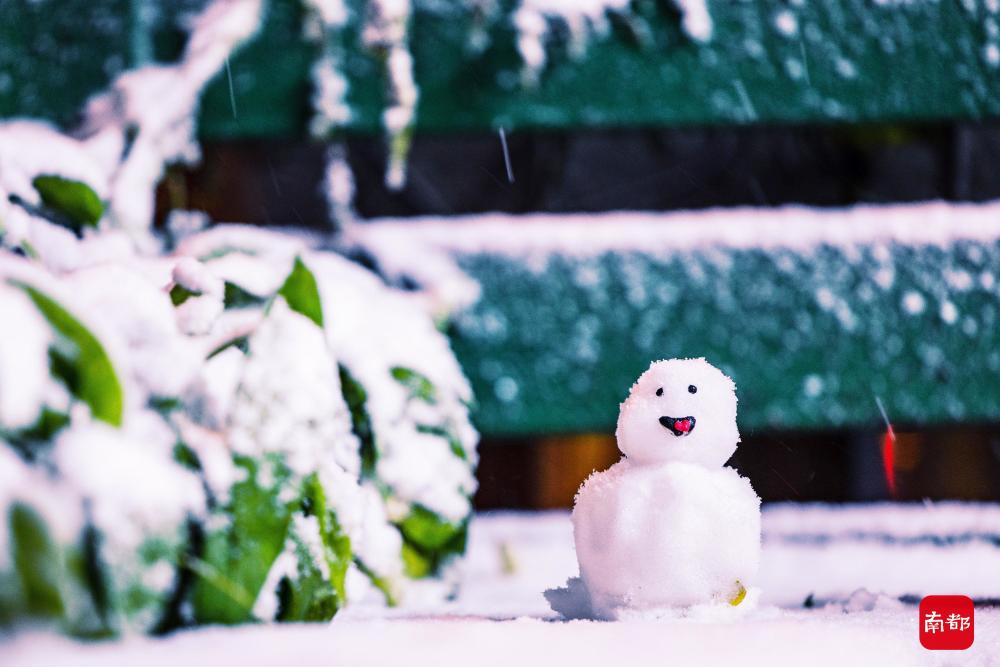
(502,618)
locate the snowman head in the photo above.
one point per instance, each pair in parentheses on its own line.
(679,410)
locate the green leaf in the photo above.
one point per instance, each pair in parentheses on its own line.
(29,440)
(224,250)
(174,615)
(37,561)
(94,574)
(179,294)
(28,249)
(81,361)
(241,343)
(336,543)
(187,457)
(428,531)
(429,540)
(10,597)
(442,432)
(338,556)
(302,293)
(136,598)
(419,385)
(235,296)
(355,396)
(164,404)
(73,200)
(238,557)
(307,597)
(49,423)
(415,564)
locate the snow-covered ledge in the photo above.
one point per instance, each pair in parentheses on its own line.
(422,247)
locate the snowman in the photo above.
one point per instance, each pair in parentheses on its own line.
(669,527)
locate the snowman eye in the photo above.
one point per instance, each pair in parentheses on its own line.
(692,389)
(659,392)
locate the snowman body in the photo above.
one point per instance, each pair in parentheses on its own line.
(669,525)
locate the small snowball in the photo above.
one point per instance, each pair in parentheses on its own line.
(506,389)
(846,68)
(826,298)
(958,279)
(914,302)
(884,277)
(794,68)
(812,386)
(949,312)
(696,19)
(991,52)
(786,23)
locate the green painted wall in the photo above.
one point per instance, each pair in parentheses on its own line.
(852,60)
(547,352)
(809,337)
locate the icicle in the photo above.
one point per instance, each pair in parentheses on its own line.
(324,20)
(387,31)
(584,19)
(338,186)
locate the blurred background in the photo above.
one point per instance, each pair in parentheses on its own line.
(768,104)
(831,141)
(795,458)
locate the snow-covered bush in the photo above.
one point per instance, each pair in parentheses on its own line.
(243,427)
(320,364)
(95,505)
(248,428)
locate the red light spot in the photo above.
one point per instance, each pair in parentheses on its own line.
(889,459)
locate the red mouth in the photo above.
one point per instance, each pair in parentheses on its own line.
(678,425)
